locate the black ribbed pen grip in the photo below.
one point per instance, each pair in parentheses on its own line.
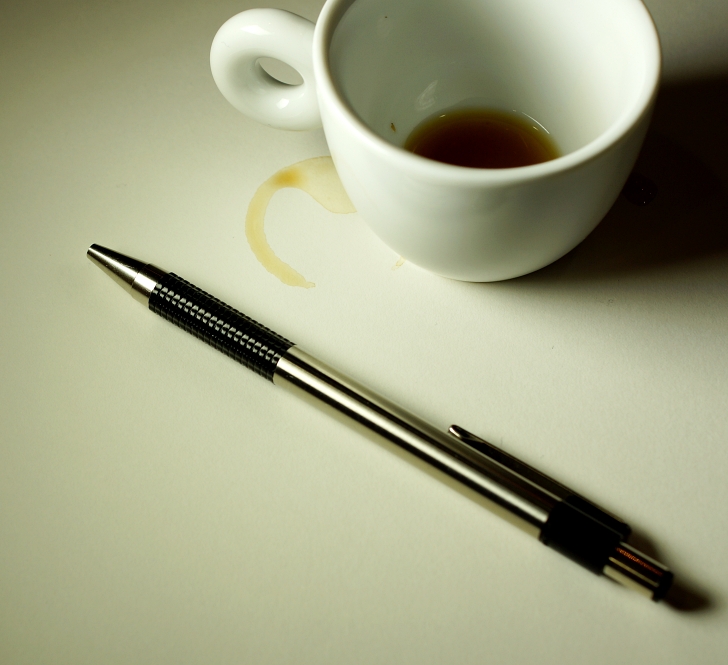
(218,324)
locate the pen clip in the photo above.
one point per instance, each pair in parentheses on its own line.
(541,480)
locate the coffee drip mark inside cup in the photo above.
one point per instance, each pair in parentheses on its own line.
(318,178)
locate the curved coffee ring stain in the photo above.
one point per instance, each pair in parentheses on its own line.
(318,178)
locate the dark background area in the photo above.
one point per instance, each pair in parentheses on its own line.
(685,156)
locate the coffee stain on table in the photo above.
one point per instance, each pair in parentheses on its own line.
(318,178)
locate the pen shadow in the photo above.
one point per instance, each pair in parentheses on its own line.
(683,158)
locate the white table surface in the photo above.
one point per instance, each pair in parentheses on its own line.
(160,504)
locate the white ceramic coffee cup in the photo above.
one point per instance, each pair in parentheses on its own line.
(372,70)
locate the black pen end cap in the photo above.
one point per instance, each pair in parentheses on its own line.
(594,544)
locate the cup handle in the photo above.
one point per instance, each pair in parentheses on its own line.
(267,33)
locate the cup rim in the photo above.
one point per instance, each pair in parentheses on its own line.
(334,10)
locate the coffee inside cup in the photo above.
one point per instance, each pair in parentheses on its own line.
(482,139)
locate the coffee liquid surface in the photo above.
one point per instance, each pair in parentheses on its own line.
(481,139)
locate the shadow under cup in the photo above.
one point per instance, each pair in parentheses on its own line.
(585,71)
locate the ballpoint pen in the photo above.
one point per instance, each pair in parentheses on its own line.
(537,504)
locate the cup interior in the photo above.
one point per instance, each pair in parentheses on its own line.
(576,67)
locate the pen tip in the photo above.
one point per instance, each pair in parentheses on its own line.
(121,268)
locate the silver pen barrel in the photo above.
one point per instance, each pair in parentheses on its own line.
(507,493)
